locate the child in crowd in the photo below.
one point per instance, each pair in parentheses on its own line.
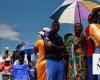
(20,68)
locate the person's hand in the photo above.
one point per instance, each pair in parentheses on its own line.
(30,64)
(36,50)
(90,40)
(61,47)
(82,39)
(76,46)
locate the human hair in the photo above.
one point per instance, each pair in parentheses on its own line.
(67,35)
(22,54)
(79,24)
(54,22)
(95,17)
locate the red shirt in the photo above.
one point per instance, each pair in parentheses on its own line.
(7,68)
(89,44)
(1,67)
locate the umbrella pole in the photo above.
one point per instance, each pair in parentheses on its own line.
(79,12)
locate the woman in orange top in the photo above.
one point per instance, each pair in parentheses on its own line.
(41,63)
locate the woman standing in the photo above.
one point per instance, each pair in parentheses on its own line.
(41,63)
(76,47)
(95,30)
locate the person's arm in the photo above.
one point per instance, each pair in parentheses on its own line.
(12,57)
(95,34)
(95,31)
(36,50)
(50,46)
(36,47)
(97,44)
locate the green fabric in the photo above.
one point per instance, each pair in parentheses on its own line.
(76,59)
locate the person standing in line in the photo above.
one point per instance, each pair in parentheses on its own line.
(41,62)
(76,47)
(67,42)
(90,50)
(54,49)
(20,68)
(6,54)
(95,32)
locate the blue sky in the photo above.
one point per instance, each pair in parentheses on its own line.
(25,18)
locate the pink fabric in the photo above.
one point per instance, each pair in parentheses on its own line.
(69,1)
(83,15)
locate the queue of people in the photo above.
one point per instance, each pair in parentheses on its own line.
(71,59)
(67,58)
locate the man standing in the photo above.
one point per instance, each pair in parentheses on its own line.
(53,53)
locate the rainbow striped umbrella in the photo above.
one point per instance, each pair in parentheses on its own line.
(73,12)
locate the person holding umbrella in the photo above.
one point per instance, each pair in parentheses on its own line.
(76,47)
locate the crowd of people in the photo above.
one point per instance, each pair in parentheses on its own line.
(67,58)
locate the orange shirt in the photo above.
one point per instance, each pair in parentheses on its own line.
(40,45)
(41,63)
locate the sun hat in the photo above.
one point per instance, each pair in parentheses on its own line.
(45,29)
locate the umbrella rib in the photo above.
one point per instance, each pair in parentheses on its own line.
(79,12)
(84,5)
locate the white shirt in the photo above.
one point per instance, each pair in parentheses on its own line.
(17,62)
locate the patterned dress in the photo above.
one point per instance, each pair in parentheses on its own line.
(77,67)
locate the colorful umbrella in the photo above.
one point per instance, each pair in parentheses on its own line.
(71,1)
(73,12)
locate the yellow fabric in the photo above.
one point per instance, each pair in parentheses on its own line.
(89,5)
(41,63)
(95,34)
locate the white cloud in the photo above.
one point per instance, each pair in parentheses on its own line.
(7,32)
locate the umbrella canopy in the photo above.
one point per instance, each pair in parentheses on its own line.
(28,48)
(71,1)
(74,12)
(96,1)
